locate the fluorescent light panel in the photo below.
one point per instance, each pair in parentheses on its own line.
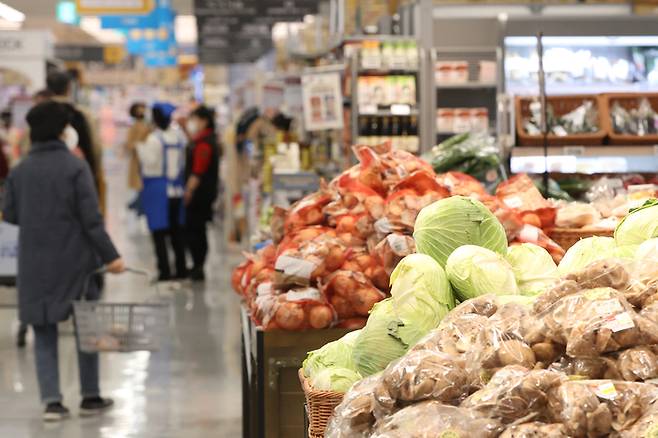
(10,14)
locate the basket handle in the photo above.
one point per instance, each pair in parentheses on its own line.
(103,270)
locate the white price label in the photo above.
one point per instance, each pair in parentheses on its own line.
(577,151)
(609,307)
(529,233)
(368,108)
(306,294)
(513,202)
(620,322)
(606,390)
(400,109)
(398,244)
(295,267)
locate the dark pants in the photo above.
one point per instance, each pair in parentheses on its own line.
(197,242)
(47,364)
(175,236)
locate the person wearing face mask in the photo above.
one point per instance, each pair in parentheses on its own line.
(51,196)
(137,133)
(201,184)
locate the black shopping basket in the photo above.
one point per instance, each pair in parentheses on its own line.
(120,327)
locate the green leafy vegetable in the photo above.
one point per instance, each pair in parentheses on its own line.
(335,379)
(640,224)
(586,251)
(334,354)
(474,271)
(533,267)
(450,223)
(648,251)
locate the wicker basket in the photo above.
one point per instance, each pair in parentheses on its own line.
(627,101)
(320,406)
(566,237)
(561,105)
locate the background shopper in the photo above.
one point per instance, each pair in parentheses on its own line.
(50,195)
(201,184)
(137,133)
(162,157)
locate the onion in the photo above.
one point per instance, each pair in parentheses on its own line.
(307,234)
(313,216)
(343,285)
(289,316)
(353,323)
(531,219)
(320,317)
(380,278)
(346,224)
(334,259)
(364,261)
(350,266)
(363,299)
(342,307)
(236,278)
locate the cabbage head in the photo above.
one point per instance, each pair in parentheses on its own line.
(378,344)
(474,271)
(331,355)
(586,251)
(648,251)
(533,267)
(335,379)
(638,225)
(420,289)
(449,223)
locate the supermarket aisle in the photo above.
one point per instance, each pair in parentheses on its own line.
(191,389)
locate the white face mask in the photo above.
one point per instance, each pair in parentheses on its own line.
(70,137)
(192,127)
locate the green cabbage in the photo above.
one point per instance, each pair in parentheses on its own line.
(421,295)
(378,343)
(648,251)
(533,267)
(333,354)
(586,251)
(447,224)
(474,271)
(639,225)
(335,379)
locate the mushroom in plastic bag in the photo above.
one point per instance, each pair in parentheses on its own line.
(536,430)
(353,417)
(432,419)
(515,393)
(421,375)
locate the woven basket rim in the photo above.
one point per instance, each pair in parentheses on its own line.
(310,391)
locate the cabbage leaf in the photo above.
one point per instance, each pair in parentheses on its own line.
(638,225)
(533,267)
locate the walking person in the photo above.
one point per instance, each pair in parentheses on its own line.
(137,133)
(201,184)
(162,159)
(51,196)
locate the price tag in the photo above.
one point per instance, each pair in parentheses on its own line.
(307,294)
(513,202)
(368,108)
(620,322)
(606,390)
(398,109)
(577,151)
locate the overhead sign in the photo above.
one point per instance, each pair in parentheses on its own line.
(159,13)
(322,101)
(113,7)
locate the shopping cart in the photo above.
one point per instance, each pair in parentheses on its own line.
(120,327)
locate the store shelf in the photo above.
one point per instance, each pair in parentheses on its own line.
(386,72)
(467,86)
(586,159)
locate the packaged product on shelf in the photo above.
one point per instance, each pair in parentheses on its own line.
(351,293)
(641,120)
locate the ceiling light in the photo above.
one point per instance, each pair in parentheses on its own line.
(10,14)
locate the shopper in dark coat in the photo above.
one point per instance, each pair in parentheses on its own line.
(201,184)
(51,197)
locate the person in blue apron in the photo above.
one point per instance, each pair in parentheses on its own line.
(162,160)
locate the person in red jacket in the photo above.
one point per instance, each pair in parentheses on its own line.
(201,184)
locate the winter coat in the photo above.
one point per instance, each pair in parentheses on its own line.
(51,196)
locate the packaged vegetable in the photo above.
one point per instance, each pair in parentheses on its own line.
(351,293)
(520,193)
(354,417)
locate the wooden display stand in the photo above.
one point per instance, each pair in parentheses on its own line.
(272,397)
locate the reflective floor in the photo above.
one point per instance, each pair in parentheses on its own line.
(189,389)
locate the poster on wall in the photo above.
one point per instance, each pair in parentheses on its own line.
(323,101)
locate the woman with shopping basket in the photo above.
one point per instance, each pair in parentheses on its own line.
(51,196)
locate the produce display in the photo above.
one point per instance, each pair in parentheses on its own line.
(640,121)
(581,120)
(534,349)
(332,254)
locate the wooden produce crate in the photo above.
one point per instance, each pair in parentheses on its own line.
(567,237)
(627,101)
(319,406)
(561,105)
(273,399)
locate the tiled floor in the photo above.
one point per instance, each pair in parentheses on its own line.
(189,389)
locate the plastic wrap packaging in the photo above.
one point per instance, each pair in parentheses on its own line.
(277,223)
(421,375)
(461,184)
(354,416)
(393,248)
(576,215)
(432,419)
(515,393)
(307,211)
(360,260)
(597,321)
(593,408)
(520,193)
(645,427)
(633,364)
(351,293)
(536,430)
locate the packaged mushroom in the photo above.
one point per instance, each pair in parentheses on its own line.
(597,321)
(536,429)
(421,375)
(432,419)
(593,408)
(354,416)
(515,393)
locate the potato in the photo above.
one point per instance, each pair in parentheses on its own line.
(515,352)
